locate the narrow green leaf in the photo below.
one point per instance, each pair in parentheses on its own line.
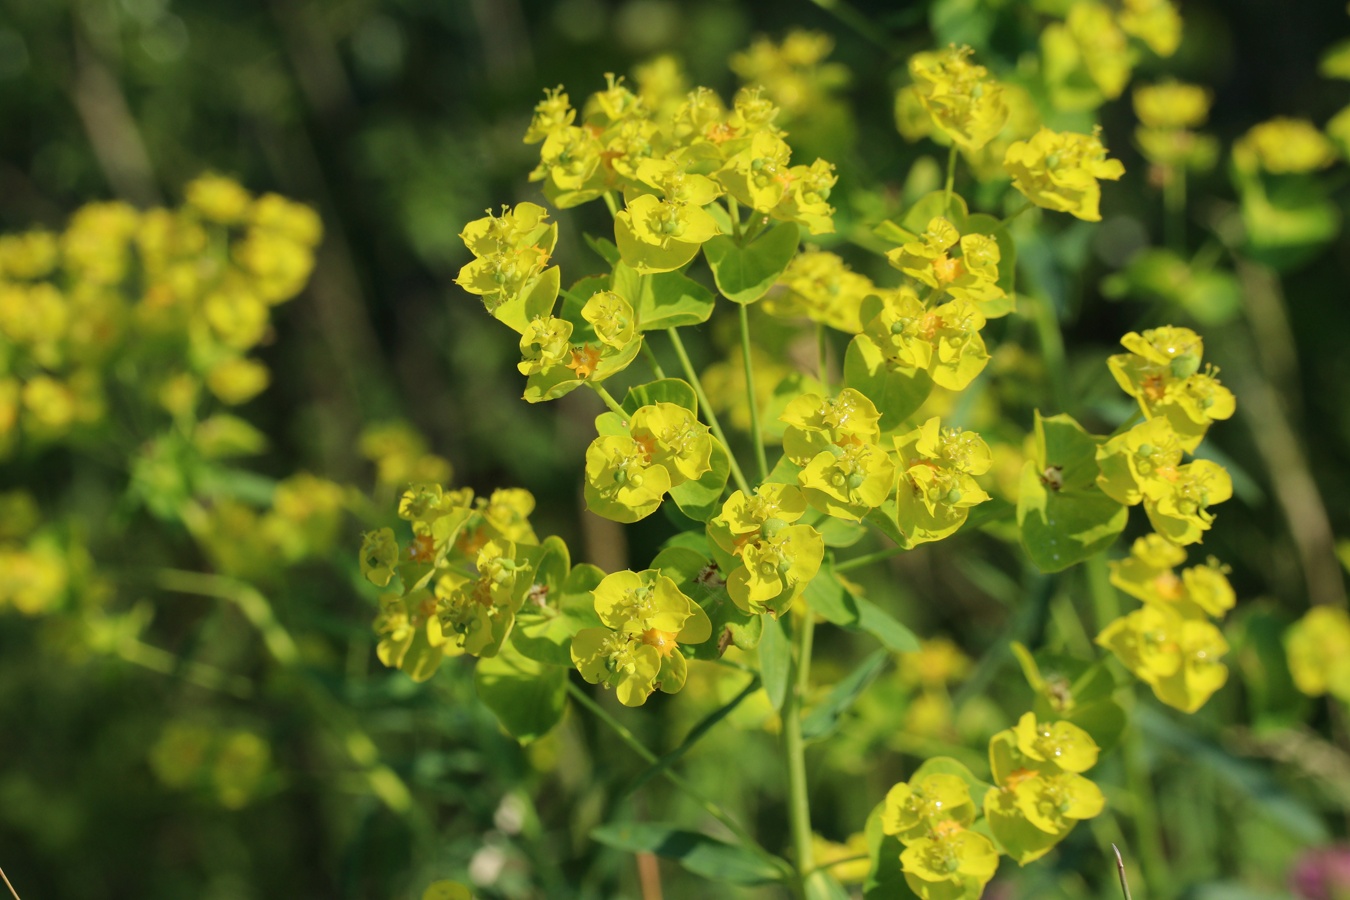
(824,718)
(693,737)
(703,855)
(603,247)
(884,627)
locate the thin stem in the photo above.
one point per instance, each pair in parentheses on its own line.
(650,355)
(857,21)
(1120,867)
(951,181)
(609,400)
(839,862)
(755,434)
(1006,220)
(823,356)
(794,747)
(1148,830)
(251,603)
(867,559)
(159,660)
(13,893)
(706,408)
(612,204)
(734,213)
(1174,206)
(678,781)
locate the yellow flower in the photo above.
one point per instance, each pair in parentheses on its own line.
(1060,170)
(964,102)
(1087,48)
(1318,647)
(1155,22)
(218,198)
(1172,104)
(1284,146)
(1179,658)
(821,287)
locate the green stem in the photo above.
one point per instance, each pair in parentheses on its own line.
(734,213)
(612,204)
(1152,855)
(867,559)
(839,862)
(755,434)
(251,603)
(1174,205)
(706,408)
(1006,220)
(157,659)
(823,356)
(794,748)
(650,355)
(859,22)
(609,400)
(951,181)
(678,781)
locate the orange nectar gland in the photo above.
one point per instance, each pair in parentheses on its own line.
(1168,586)
(584,360)
(661,641)
(721,132)
(946,269)
(1016,777)
(423,548)
(947,828)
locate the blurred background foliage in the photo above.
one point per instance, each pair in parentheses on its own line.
(399,121)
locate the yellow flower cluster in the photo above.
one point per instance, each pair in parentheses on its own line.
(186,292)
(793,74)
(1060,171)
(1168,112)
(462,578)
(1318,647)
(1170,644)
(679,160)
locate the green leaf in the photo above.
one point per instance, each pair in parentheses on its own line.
(885,880)
(835,532)
(775,661)
(827,597)
(604,248)
(684,558)
(897,393)
(611,423)
(693,737)
(945,765)
(821,885)
(982,223)
(667,390)
(713,859)
(544,638)
(526,696)
(649,259)
(1063,516)
(884,627)
(744,274)
(702,499)
(823,719)
(930,206)
(1074,690)
(663,300)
